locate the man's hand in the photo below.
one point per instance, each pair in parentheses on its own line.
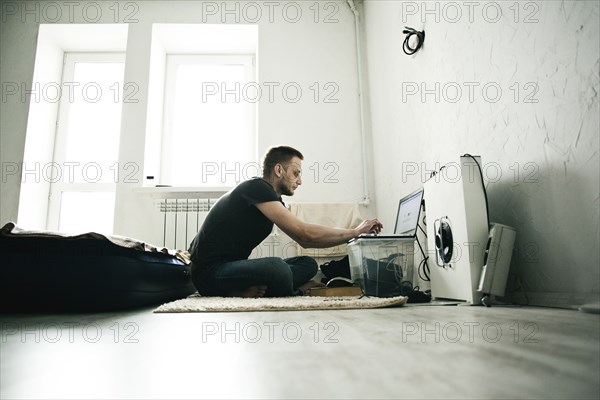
(369,226)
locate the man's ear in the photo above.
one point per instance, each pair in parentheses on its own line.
(278,169)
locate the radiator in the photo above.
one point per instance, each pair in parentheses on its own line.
(181,220)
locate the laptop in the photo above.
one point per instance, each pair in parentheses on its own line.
(407,218)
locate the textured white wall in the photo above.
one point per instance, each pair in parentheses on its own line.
(532,115)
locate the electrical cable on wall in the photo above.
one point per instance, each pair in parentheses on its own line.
(410,32)
(423,267)
(487,207)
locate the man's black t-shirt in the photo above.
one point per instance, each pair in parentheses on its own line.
(234,226)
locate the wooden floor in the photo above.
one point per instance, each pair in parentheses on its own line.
(407,352)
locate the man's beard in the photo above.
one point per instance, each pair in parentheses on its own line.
(283,189)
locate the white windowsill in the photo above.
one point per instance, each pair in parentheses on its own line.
(163,192)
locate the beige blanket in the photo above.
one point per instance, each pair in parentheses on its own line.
(336,215)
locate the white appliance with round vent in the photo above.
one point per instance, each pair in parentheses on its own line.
(457,229)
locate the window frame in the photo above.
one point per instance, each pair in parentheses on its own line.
(172,61)
(57,186)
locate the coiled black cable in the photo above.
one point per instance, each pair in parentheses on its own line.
(410,32)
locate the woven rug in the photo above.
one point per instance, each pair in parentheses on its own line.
(196,303)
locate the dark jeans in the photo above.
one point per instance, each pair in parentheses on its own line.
(281,276)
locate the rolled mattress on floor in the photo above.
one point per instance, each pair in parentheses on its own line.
(47,271)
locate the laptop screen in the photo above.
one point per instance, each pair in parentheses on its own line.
(408,214)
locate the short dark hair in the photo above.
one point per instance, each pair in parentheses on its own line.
(278,155)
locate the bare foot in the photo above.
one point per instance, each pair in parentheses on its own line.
(250,292)
(309,285)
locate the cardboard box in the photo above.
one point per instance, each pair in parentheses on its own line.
(336,291)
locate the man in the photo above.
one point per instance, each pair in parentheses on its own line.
(241,219)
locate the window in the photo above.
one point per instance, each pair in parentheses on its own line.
(73,128)
(209,128)
(202,104)
(82,175)
(70,179)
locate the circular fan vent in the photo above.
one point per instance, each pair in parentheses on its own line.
(444,241)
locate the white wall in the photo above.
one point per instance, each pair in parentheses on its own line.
(302,49)
(546,152)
